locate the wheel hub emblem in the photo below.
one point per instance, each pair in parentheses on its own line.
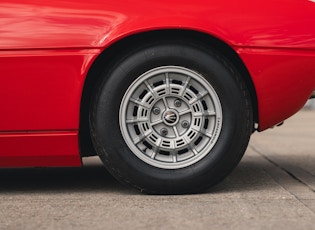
(170,117)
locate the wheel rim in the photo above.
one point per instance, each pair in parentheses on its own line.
(170,117)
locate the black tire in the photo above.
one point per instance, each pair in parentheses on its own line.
(227,151)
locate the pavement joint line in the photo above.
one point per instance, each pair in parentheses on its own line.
(287,171)
(291,175)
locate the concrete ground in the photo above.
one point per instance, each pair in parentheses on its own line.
(272,188)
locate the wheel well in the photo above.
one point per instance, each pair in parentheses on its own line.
(110,54)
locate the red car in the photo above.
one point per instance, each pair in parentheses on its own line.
(167,93)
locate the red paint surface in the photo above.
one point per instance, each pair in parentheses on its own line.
(39,149)
(284,80)
(47,48)
(96,23)
(41,90)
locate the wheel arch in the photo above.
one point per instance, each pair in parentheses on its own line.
(115,50)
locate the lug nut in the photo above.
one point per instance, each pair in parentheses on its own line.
(185,124)
(164,132)
(177,103)
(156,110)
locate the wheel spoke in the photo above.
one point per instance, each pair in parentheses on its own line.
(165,103)
(174,156)
(156,122)
(156,148)
(151,89)
(137,120)
(199,97)
(205,114)
(203,132)
(193,149)
(141,137)
(153,155)
(185,86)
(167,83)
(174,129)
(139,103)
(184,112)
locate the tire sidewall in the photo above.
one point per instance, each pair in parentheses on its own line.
(125,165)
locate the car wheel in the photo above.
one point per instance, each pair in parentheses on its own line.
(171,118)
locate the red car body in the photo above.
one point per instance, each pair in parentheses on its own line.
(48,50)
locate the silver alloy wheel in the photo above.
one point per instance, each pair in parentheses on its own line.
(170,117)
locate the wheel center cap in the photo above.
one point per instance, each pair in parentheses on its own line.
(170,117)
